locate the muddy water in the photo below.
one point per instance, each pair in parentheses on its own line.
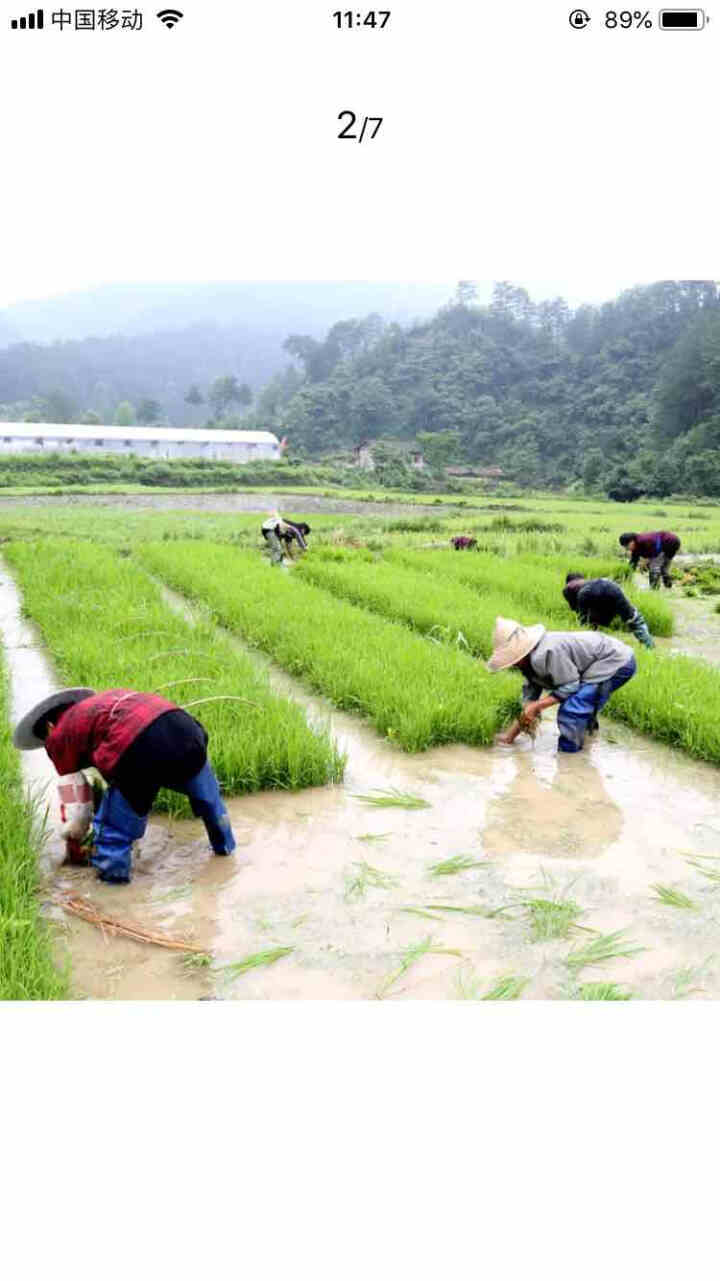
(246,502)
(601,826)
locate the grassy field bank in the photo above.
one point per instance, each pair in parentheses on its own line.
(27,972)
(106,626)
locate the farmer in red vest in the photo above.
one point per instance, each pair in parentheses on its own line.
(138,743)
(658,548)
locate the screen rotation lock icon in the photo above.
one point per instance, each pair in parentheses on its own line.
(579,19)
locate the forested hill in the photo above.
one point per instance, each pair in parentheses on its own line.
(626,394)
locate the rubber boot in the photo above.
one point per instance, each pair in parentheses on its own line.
(116,826)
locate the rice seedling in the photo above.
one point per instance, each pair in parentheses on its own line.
(507,988)
(420,911)
(415,694)
(262,742)
(467,910)
(703,863)
(197,961)
(673,898)
(27,971)
(366,877)
(372,838)
(605,947)
(409,957)
(551,918)
(452,866)
(255,961)
(392,798)
(602,992)
(688,980)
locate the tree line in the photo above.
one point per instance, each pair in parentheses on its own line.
(622,398)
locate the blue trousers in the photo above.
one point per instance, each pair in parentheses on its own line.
(577,714)
(117,825)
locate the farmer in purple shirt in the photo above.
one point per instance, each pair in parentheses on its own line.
(658,548)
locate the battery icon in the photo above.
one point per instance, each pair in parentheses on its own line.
(682,19)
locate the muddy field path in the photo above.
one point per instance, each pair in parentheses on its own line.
(350,888)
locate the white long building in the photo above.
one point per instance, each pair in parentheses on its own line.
(151,442)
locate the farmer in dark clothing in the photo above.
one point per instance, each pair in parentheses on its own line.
(280,534)
(463,543)
(598,601)
(580,670)
(138,743)
(658,548)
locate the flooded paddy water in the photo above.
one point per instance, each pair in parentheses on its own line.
(332,878)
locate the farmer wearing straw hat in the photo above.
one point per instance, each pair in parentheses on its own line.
(580,670)
(276,531)
(138,743)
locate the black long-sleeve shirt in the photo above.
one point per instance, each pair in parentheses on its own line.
(601,600)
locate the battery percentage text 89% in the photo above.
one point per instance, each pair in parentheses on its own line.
(627,18)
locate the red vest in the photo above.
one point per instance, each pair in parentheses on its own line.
(99,729)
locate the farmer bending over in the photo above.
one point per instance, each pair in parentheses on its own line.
(657,548)
(580,670)
(598,601)
(463,542)
(279,534)
(138,743)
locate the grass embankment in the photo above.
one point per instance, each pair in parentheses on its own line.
(27,972)
(107,626)
(533,584)
(415,693)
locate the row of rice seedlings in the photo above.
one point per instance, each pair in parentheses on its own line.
(673,698)
(106,626)
(416,694)
(442,610)
(534,585)
(27,972)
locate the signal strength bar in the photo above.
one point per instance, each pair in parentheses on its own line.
(33,22)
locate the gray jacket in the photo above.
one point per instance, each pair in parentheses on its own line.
(563,661)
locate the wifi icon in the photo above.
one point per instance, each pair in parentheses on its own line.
(169,17)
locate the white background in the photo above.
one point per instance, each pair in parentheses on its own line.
(512,147)
(359,1141)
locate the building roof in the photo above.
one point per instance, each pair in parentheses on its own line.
(168,435)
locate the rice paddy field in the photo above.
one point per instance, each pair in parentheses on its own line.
(388,848)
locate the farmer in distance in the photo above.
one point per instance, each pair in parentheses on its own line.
(598,601)
(138,743)
(658,548)
(580,670)
(280,534)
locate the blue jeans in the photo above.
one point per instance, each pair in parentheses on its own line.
(117,825)
(577,713)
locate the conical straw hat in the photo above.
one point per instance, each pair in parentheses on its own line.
(24,737)
(511,642)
